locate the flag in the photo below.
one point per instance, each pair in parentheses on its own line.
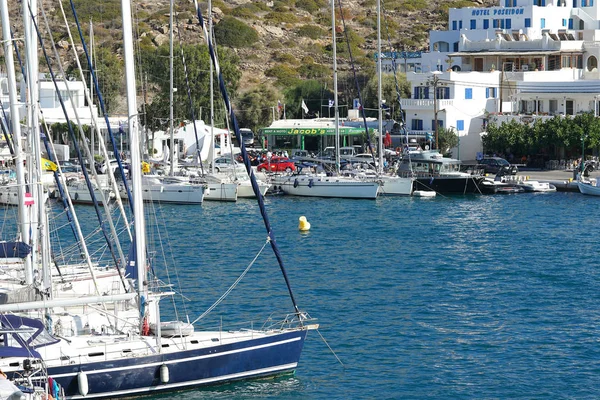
(331,103)
(304,107)
(384,106)
(28,199)
(48,165)
(279,106)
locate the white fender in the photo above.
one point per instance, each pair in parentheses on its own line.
(164,373)
(82,382)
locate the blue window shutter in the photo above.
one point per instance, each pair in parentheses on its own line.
(468,93)
(473,24)
(486,24)
(570,23)
(527,22)
(574,3)
(447,93)
(426,92)
(460,125)
(508,23)
(543,23)
(506,3)
(416,95)
(487,93)
(460,24)
(453,25)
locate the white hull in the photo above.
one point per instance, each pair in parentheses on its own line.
(221,192)
(164,189)
(245,189)
(326,186)
(536,186)
(9,195)
(588,189)
(395,186)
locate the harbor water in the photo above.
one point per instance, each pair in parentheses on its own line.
(462,297)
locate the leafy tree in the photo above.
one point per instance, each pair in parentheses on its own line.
(388,89)
(312,92)
(198,66)
(447,139)
(254,108)
(232,32)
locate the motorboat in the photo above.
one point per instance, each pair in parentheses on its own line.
(432,171)
(537,186)
(589,187)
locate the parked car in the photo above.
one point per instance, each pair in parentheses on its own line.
(277,164)
(492,165)
(227,164)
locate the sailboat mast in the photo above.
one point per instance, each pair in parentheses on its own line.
(379,93)
(16,131)
(172,146)
(135,169)
(335,90)
(212,99)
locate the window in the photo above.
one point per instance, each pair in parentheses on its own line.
(564,22)
(486,24)
(460,125)
(527,22)
(443,92)
(460,24)
(570,23)
(574,3)
(455,46)
(490,93)
(417,124)
(542,23)
(468,93)
(473,24)
(421,92)
(510,3)
(453,25)
(507,23)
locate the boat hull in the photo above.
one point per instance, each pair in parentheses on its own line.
(334,187)
(221,192)
(450,185)
(396,186)
(588,189)
(269,355)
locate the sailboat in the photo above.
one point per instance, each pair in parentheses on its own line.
(390,185)
(324,185)
(128,358)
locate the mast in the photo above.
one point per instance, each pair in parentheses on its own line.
(135,170)
(33,153)
(335,91)
(379,94)
(212,106)
(172,147)
(16,132)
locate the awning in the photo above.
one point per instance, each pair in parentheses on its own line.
(308,131)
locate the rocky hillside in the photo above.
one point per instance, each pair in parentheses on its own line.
(288,32)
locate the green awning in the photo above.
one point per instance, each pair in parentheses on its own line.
(347,131)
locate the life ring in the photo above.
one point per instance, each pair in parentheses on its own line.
(398,150)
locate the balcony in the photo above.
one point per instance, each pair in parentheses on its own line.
(425,104)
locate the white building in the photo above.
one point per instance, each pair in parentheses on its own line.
(532,58)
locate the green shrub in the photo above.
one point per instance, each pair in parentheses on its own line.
(285,58)
(232,32)
(311,5)
(281,17)
(285,75)
(311,31)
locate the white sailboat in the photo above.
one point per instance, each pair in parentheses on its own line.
(322,185)
(127,358)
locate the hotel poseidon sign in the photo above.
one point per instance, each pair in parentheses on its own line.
(486,12)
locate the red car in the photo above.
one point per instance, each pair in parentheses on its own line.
(277,164)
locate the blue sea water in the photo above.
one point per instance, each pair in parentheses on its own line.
(463,297)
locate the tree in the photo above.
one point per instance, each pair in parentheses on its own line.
(255,107)
(388,89)
(312,92)
(198,66)
(447,139)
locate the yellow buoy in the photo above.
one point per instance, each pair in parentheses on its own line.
(303,224)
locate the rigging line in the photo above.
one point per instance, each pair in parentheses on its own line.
(224,295)
(353,68)
(71,133)
(110,171)
(189,95)
(90,157)
(330,349)
(103,107)
(246,159)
